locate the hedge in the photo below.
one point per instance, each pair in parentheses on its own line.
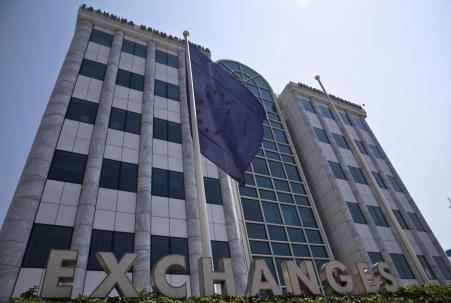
(426,293)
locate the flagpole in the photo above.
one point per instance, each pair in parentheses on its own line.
(383,199)
(203,214)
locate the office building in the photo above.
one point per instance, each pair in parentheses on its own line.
(367,212)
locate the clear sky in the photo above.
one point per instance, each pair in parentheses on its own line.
(393,56)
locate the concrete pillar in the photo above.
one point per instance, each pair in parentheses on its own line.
(24,205)
(141,267)
(236,246)
(84,219)
(192,208)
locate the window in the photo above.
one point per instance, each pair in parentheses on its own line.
(260,248)
(281,185)
(219,250)
(212,191)
(321,135)
(251,210)
(263,182)
(292,172)
(289,215)
(284,198)
(336,170)
(256,231)
(394,183)
(280,136)
(400,219)
(259,166)
(92,69)
(345,118)
(340,141)
(163,246)
(375,257)
(281,249)
(308,220)
(81,110)
(314,236)
(325,112)
(273,116)
(166,59)
(357,175)
(276,169)
(416,221)
(378,216)
(300,250)
(247,191)
(356,213)
(167,130)
(402,266)
(360,123)
(379,180)
(267,133)
(376,151)
(167,183)
(277,233)
(134,48)
(272,213)
(43,238)
(288,159)
(441,264)
(67,167)
(101,38)
(308,105)
(167,90)
(130,80)
(119,243)
(119,175)
(361,147)
(125,121)
(298,188)
(318,251)
(284,149)
(427,268)
(296,234)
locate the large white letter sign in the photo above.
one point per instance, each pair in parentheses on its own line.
(300,279)
(260,278)
(116,275)
(158,277)
(208,277)
(333,278)
(60,268)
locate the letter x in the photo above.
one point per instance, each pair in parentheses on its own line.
(116,275)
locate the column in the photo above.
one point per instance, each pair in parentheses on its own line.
(237,253)
(141,267)
(88,196)
(24,205)
(192,208)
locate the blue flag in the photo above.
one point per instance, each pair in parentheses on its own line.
(229,117)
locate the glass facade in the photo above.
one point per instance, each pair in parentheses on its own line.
(280,221)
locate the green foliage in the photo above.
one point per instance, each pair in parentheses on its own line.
(426,293)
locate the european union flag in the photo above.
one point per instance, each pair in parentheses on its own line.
(229,117)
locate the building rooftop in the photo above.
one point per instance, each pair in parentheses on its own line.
(317,91)
(144,28)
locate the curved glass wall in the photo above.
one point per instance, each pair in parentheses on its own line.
(280,220)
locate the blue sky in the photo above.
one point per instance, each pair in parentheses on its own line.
(393,56)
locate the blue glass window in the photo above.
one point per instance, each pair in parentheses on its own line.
(400,219)
(336,170)
(379,180)
(357,175)
(325,112)
(166,59)
(378,216)
(321,135)
(402,266)
(93,69)
(356,213)
(251,210)
(340,141)
(361,147)
(67,167)
(43,238)
(101,38)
